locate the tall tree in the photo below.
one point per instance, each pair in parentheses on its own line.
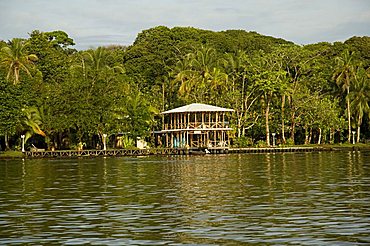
(15,59)
(360,98)
(53,52)
(243,94)
(202,79)
(269,77)
(344,75)
(10,109)
(94,88)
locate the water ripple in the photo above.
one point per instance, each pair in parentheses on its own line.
(291,198)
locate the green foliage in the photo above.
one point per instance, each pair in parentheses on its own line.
(243,142)
(261,144)
(139,115)
(10,107)
(31,122)
(273,85)
(127,142)
(361,47)
(12,154)
(52,49)
(289,142)
(15,59)
(200,76)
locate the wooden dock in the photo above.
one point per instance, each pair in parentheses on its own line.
(162,151)
(277,149)
(110,152)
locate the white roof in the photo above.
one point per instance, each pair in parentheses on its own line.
(197,107)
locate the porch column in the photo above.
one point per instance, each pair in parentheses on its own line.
(216,119)
(188,121)
(202,119)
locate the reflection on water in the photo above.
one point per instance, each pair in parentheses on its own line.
(291,198)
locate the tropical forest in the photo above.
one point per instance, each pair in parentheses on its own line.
(58,97)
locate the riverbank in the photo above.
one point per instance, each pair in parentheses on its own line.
(11,154)
(168,151)
(302,148)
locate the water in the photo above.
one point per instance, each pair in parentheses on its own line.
(269,199)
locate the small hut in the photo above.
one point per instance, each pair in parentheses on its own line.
(195,126)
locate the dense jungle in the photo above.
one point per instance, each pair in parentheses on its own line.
(63,98)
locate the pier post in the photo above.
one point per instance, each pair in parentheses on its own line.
(22,137)
(104,141)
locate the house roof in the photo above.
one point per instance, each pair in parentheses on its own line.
(197,107)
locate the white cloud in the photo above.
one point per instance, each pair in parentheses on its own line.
(93,23)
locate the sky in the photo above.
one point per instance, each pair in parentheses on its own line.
(93,23)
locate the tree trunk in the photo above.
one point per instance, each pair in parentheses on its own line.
(339,135)
(267,122)
(358,128)
(16,73)
(331,136)
(163,97)
(310,137)
(320,135)
(358,134)
(6,141)
(349,117)
(292,135)
(239,125)
(242,114)
(282,120)
(306,132)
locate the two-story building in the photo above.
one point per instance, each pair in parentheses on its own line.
(196,126)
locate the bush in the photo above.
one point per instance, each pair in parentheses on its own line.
(243,142)
(289,142)
(261,144)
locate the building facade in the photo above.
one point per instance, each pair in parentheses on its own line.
(195,126)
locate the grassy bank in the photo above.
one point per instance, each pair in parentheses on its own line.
(11,154)
(335,146)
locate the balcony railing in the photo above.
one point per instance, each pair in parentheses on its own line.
(196,125)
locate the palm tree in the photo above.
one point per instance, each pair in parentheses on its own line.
(360,97)
(14,59)
(183,74)
(199,75)
(99,77)
(32,122)
(343,75)
(235,67)
(95,64)
(96,59)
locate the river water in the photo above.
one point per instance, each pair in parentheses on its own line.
(237,199)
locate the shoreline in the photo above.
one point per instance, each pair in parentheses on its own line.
(60,154)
